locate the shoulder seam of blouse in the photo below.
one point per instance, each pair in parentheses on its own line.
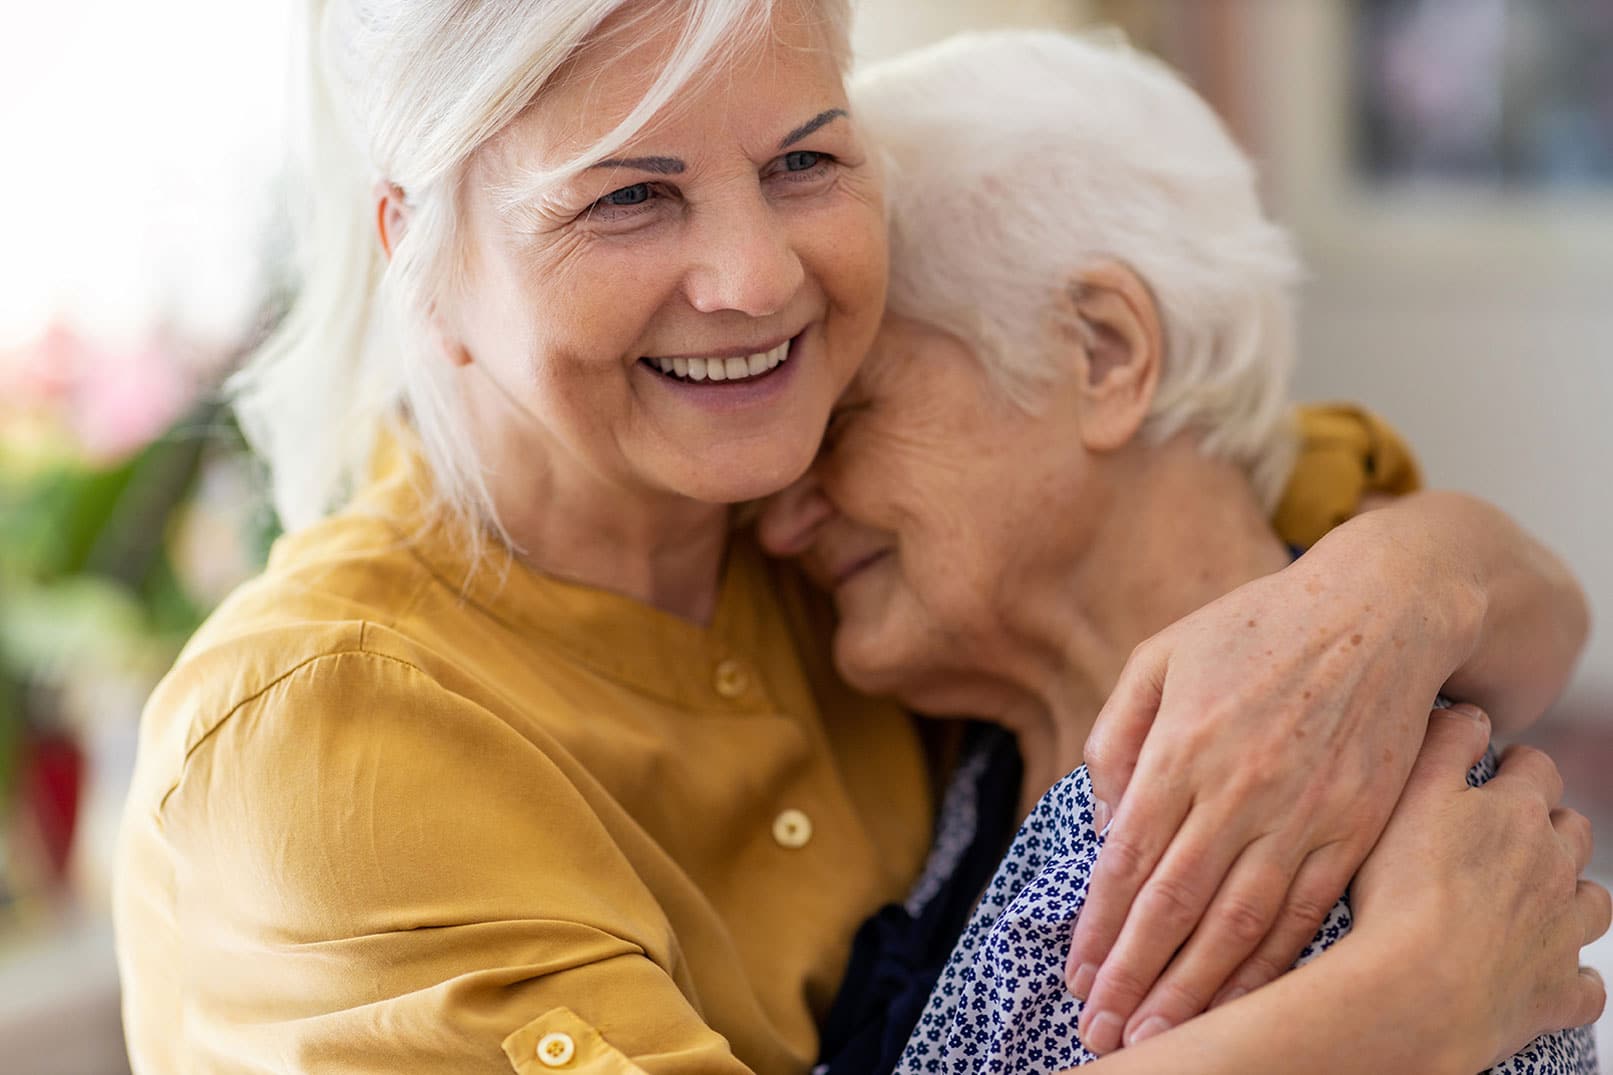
(354,651)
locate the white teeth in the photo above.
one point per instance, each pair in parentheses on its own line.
(724,369)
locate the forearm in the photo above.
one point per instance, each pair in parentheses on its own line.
(1365,1007)
(1515,618)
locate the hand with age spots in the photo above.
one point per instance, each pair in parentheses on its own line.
(1255,750)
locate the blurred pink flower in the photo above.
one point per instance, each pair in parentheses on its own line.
(112,399)
(125,398)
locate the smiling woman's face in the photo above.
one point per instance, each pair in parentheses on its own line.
(679,319)
(934,504)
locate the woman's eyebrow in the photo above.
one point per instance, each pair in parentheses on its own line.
(675,166)
(811,125)
(658,165)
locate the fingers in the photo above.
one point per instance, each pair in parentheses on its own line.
(1456,739)
(1528,766)
(1238,919)
(1167,908)
(1116,741)
(1574,829)
(1321,880)
(1130,852)
(1590,998)
(1595,909)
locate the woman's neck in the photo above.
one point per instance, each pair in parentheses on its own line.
(659,548)
(668,555)
(1178,532)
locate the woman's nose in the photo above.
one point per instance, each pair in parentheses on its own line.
(790,520)
(746,261)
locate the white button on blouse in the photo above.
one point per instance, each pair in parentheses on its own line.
(556,1050)
(731,679)
(792,829)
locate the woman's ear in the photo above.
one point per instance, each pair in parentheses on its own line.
(391,218)
(1122,345)
(391,214)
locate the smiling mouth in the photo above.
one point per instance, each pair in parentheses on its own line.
(733,368)
(856,567)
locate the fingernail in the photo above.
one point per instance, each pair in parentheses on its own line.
(1104,1034)
(1100,816)
(1227,996)
(1081,981)
(1468,709)
(1154,1024)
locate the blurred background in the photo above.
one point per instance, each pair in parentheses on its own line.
(1446,164)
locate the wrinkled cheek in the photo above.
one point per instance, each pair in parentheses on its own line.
(957,606)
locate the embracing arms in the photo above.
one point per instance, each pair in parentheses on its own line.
(1254,750)
(1415,988)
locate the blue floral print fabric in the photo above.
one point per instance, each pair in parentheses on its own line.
(1001,1005)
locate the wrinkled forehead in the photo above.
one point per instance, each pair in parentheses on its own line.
(786,45)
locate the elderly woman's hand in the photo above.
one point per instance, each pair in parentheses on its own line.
(1510,957)
(1253,751)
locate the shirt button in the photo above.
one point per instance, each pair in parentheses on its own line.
(792,829)
(731,679)
(556,1050)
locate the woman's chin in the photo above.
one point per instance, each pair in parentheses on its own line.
(742,474)
(867,664)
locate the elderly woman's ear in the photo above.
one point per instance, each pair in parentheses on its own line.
(1118,349)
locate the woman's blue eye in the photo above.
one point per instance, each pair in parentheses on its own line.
(637,194)
(802,160)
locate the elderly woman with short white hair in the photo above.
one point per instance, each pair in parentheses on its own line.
(519,755)
(1070,435)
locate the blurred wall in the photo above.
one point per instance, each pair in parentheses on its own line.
(1480,323)
(885,27)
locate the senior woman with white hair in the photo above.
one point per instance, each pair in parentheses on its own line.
(1069,436)
(518,756)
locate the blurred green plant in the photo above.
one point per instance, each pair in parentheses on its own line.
(88,582)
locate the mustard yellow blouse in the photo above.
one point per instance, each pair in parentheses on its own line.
(390,815)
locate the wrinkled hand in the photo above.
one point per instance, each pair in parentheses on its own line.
(1508,857)
(1251,754)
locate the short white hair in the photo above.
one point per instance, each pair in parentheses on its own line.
(406,92)
(1017,160)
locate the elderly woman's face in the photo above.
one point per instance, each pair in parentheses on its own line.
(679,319)
(934,504)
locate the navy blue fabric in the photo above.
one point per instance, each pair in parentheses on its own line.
(898,954)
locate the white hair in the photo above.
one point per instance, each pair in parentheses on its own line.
(1017,160)
(406,92)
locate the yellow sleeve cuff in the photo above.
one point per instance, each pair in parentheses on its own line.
(559,1041)
(1345,453)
